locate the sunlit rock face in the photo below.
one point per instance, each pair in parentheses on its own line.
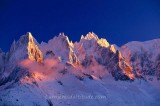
(33,51)
(25,48)
(115,63)
(91,41)
(124,66)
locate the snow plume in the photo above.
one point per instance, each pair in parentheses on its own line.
(46,70)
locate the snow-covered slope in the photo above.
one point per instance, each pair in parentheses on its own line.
(144,57)
(66,89)
(90,72)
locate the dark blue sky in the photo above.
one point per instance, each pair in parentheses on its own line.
(119,21)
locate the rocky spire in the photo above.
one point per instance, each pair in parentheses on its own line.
(90,36)
(25,47)
(93,38)
(34,52)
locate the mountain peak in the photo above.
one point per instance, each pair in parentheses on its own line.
(89,36)
(61,34)
(30,37)
(28,34)
(92,40)
(34,52)
(25,47)
(62,37)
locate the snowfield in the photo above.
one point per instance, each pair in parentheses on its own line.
(89,92)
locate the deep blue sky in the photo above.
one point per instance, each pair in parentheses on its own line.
(119,21)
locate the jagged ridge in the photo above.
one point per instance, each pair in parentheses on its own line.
(61,67)
(90,49)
